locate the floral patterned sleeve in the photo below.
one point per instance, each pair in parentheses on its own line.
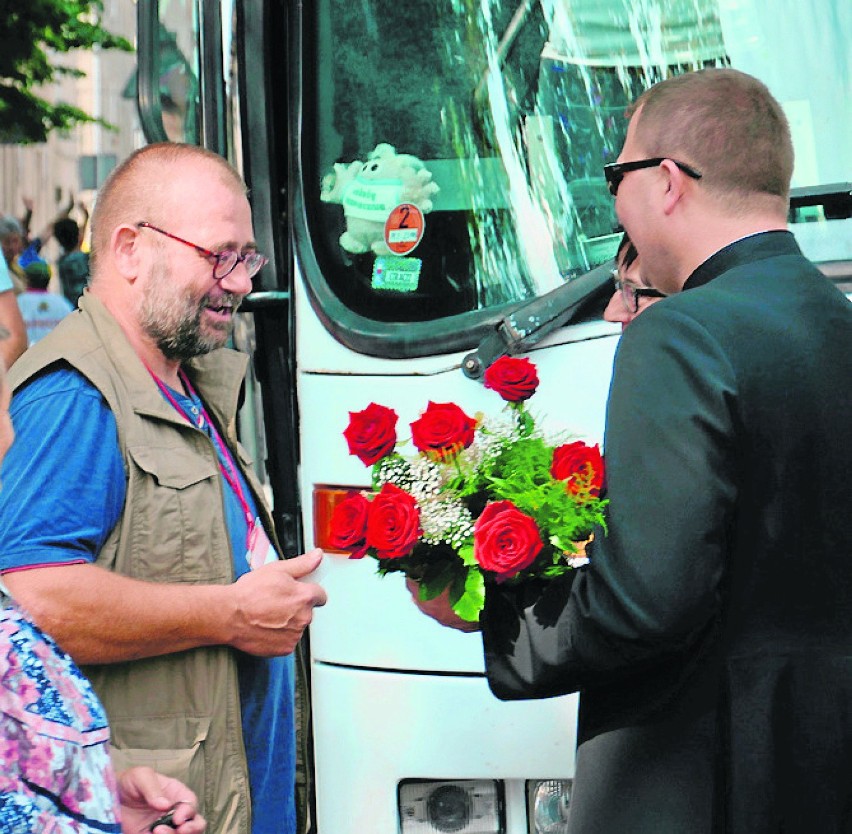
(56,774)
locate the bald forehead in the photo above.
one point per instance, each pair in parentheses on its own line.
(171,183)
(166,184)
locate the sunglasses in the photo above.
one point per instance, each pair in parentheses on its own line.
(614,173)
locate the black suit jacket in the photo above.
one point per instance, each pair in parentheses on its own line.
(714,622)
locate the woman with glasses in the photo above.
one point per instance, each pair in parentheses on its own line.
(631,295)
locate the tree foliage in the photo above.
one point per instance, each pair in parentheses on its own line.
(35,36)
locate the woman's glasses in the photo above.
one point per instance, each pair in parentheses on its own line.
(630,293)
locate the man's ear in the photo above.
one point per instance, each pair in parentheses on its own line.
(676,183)
(124,246)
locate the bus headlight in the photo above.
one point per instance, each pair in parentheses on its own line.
(547,802)
(450,807)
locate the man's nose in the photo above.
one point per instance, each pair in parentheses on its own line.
(615,310)
(237,280)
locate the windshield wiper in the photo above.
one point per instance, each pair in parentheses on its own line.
(529,323)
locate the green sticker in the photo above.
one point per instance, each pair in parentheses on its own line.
(396,274)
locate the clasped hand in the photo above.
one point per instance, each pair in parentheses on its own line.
(275,605)
(439,609)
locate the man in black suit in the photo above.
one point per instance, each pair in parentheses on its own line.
(711,634)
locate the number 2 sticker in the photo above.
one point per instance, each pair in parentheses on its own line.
(404,228)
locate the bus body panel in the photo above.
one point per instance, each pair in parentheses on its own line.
(427,727)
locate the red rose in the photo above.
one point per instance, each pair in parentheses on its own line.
(443,429)
(580,466)
(513,379)
(393,524)
(505,540)
(349,525)
(371,433)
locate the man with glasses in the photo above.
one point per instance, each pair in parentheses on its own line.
(709,635)
(132,528)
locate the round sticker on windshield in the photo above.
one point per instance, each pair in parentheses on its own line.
(404,228)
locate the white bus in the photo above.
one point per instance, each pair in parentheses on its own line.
(490,120)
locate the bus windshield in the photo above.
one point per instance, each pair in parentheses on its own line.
(453,149)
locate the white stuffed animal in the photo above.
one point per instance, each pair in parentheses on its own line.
(369,191)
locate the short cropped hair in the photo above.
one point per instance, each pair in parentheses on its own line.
(136,189)
(726,124)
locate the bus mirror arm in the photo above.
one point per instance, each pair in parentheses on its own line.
(148,102)
(529,323)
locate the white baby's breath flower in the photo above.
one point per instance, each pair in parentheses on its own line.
(394,470)
(426,479)
(445,520)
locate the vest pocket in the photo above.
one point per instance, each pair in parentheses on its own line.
(174,746)
(174,521)
(173,467)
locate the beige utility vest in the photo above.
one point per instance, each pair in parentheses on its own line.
(179,713)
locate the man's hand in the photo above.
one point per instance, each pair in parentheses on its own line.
(440,609)
(275,604)
(145,797)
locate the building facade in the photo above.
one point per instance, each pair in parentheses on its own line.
(71,166)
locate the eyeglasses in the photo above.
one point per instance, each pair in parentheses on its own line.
(630,293)
(614,172)
(225,261)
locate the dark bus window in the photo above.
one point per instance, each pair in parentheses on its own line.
(495,119)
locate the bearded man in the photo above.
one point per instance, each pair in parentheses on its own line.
(133,529)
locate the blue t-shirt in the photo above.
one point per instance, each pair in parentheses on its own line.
(64,490)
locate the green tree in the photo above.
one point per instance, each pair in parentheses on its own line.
(34,36)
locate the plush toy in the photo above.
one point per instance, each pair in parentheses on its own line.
(369,191)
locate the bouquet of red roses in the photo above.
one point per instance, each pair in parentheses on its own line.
(485,499)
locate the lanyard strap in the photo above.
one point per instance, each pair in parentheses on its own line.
(226,462)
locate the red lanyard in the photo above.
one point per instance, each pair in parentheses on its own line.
(226,463)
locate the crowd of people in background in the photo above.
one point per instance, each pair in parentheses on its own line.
(36,290)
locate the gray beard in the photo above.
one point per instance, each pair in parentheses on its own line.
(176,328)
(173,321)
(186,340)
